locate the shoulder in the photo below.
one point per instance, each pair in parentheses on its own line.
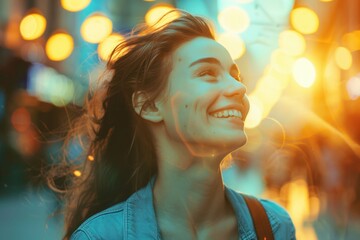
(277,213)
(281,223)
(107,224)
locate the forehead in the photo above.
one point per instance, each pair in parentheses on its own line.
(201,47)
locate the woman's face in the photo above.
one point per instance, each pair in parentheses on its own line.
(205,106)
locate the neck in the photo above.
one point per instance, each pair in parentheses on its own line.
(192,197)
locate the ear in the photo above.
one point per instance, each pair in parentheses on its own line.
(148,112)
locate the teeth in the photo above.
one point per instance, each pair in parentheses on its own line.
(227,113)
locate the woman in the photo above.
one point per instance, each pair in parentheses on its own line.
(173,109)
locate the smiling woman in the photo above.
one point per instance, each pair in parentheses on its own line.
(173,109)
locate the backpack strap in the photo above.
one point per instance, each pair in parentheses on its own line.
(260,219)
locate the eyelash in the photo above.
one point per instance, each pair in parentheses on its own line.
(213,73)
(207,72)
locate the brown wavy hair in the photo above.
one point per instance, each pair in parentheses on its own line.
(113,136)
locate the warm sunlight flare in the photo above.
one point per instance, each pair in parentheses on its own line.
(299,208)
(32,26)
(59,46)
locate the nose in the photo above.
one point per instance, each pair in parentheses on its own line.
(234,88)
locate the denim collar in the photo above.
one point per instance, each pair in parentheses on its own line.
(141,223)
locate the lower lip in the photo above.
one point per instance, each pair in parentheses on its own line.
(236,121)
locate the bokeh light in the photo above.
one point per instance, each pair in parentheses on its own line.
(91,158)
(106,47)
(96,28)
(255,114)
(351,40)
(343,58)
(304,20)
(32,26)
(21,119)
(281,61)
(74,5)
(234,19)
(156,12)
(50,86)
(233,43)
(304,72)
(353,87)
(292,42)
(59,46)
(77,173)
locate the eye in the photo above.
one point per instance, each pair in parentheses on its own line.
(207,72)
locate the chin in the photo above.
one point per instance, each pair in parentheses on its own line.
(229,145)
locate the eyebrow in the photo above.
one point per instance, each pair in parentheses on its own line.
(212,60)
(206,60)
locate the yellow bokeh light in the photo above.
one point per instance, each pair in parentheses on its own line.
(74,5)
(96,28)
(353,87)
(351,40)
(233,43)
(234,19)
(106,47)
(155,13)
(255,114)
(304,20)
(281,61)
(59,46)
(91,158)
(32,26)
(77,173)
(292,42)
(343,58)
(304,72)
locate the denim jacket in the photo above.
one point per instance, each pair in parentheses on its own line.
(135,219)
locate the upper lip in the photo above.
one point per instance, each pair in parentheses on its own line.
(236,106)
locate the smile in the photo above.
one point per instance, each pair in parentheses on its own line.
(227,114)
